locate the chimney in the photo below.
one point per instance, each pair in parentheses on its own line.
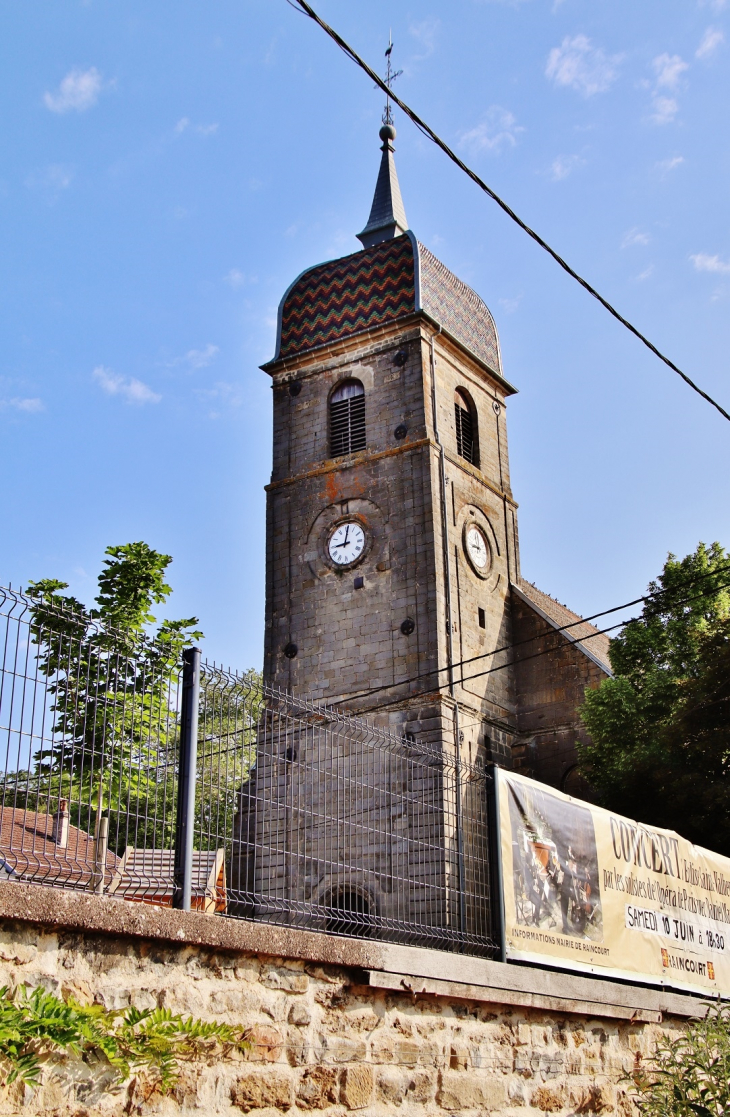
(59,833)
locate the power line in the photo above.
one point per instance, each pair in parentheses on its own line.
(529,640)
(480,674)
(429,132)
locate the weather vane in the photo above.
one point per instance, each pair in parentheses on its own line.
(390,76)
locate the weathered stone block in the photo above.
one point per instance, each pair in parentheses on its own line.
(549,1099)
(288,980)
(466,1091)
(299,1015)
(357,1086)
(258,1089)
(266,1044)
(317,1088)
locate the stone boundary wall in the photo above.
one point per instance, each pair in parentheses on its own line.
(337,1025)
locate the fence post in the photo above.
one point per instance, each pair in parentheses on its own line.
(187,762)
(494,847)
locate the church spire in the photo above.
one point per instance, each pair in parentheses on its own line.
(387,215)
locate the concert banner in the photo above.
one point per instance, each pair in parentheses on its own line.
(589,890)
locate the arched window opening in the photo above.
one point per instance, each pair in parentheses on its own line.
(466,427)
(349,913)
(347,418)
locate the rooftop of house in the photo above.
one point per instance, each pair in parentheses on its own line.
(29,849)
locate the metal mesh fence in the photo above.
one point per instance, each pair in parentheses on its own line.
(300,814)
(88,745)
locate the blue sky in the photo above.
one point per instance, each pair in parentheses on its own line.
(168,169)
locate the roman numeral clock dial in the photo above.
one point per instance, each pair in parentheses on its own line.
(346,543)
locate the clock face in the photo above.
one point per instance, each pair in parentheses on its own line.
(477,547)
(346,543)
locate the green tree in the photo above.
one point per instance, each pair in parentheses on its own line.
(660,729)
(112,681)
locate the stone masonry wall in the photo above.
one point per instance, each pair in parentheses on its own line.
(322,1039)
(550,689)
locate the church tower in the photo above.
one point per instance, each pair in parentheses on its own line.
(391,526)
(393,591)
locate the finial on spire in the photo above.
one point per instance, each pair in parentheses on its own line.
(387,214)
(390,76)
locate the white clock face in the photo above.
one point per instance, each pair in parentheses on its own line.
(347,543)
(476,545)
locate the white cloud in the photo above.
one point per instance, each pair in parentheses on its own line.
(201,358)
(224,398)
(564,165)
(202,129)
(131,390)
(703,262)
(79,90)
(18,404)
(711,40)
(425,35)
(59,177)
(498,129)
(51,180)
(197,358)
(665,110)
(666,165)
(237,278)
(578,64)
(644,274)
(716,5)
(668,69)
(634,236)
(509,306)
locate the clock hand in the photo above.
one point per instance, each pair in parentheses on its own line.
(347,532)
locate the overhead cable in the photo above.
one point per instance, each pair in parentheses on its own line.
(429,132)
(528,640)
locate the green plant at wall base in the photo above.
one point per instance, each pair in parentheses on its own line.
(38,1026)
(689,1076)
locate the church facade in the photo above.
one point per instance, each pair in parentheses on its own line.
(393,585)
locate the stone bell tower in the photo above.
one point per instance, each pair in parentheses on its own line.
(393,591)
(391,531)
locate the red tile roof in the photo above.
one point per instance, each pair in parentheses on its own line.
(28,848)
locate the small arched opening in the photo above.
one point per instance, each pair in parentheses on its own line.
(349,912)
(465,416)
(347,418)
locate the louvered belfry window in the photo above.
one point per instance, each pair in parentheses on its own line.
(465,428)
(347,418)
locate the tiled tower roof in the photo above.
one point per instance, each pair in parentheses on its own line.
(387,281)
(342,297)
(393,277)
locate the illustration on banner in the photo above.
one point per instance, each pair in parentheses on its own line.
(554,864)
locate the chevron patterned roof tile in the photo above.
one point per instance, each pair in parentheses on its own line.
(347,295)
(369,287)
